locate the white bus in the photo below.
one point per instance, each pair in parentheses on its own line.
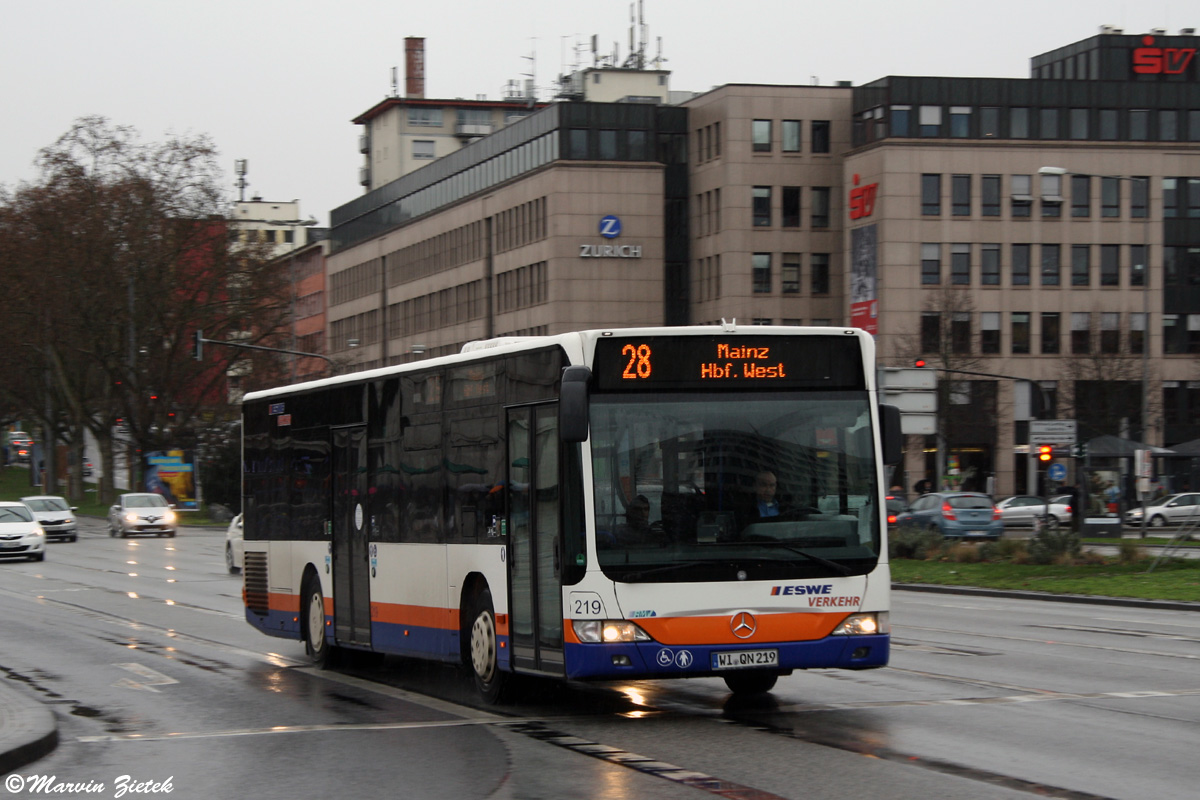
(599,505)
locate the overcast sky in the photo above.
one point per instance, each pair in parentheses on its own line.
(277,82)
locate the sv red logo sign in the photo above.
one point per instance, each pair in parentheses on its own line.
(862,200)
(1151,60)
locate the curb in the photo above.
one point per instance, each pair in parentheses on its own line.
(1100,600)
(28,730)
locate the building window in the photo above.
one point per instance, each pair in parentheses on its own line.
(1170,197)
(1022,195)
(1172,336)
(763,321)
(791,136)
(820,136)
(1139,125)
(761,131)
(820,206)
(989,332)
(819,265)
(1168,125)
(989,264)
(1051,332)
(931,332)
(1052,196)
(578,143)
(990,192)
(762,206)
(901,119)
(1109,128)
(1020,332)
(989,122)
(1048,123)
(1110,197)
(1051,265)
(1018,123)
(960,264)
(1079,123)
(930,120)
(607,140)
(761,273)
(931,264)
(1020,264)
(1081,264)
(1137,333)
(1110,266)
(423,149)
(1081,196)
(716,140)
(960,195)
(1110,332)
(1138,266)
(425,117)
(960,332)
(789,273)
(1139,206)
(791,207)
(931,195)
(1081,332)
(960,122)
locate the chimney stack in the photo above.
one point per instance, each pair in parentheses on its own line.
(414,66)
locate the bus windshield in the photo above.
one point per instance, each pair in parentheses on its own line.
(734,485)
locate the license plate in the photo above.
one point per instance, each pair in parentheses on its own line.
(976,533)
(9,545)
(745,658)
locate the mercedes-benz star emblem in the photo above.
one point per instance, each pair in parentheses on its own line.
(743,624)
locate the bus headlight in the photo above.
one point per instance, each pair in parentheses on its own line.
(864,624)
(608,631)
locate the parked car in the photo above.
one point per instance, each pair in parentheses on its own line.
(955,515)
(1019,511)
(141,512)
(234,545)
(20,534)
(54,515)
(1174,509)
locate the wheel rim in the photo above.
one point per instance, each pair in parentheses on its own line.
(483,646)
(1157,522)
(316,622)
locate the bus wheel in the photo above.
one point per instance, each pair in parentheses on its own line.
(751,682)
(485,667)
(315,644)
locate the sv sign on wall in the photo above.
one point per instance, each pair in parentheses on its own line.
(862,200)
(1150,60)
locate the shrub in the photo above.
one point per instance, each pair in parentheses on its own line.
(962,553)
(1129,551)
(1004,550)
(914,543)
(1049,545)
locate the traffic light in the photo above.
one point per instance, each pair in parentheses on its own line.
(198,346)
(1045,452)
(920,362)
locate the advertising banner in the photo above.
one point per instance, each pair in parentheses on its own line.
(864,309)
(172,473)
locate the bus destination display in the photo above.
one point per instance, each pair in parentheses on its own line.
(699,362)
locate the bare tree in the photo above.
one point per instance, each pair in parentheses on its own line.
(1105,391)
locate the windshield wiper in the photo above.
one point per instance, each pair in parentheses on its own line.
(825,562)
(667,568)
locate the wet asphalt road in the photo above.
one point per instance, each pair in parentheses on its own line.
(141,649)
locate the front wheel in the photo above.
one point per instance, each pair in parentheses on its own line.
(751,682)
(485,666)
(1158,521)
(315,644)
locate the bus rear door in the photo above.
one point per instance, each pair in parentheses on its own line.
(351,571)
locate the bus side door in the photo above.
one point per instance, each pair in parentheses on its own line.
(535,547)
(351,574)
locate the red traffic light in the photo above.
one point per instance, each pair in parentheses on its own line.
(1045,452)
(920,362)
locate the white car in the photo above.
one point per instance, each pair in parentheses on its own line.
(234,545)
(1019,511)
(141,512)
(54,515)
(1176,509)
(20,534)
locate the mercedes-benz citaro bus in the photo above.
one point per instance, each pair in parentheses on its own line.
(599,505)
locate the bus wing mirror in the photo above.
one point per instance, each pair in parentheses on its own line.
(890,434)
(573,404)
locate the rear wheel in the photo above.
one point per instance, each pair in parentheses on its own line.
(229,565)
(1158,521)
(485,666)
(751,682)
(315,644)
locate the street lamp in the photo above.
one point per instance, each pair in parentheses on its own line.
(1145,271)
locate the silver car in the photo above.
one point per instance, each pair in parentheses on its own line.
(54,515)
(1020,511)
(141,512)
(20,534)
(1176,509)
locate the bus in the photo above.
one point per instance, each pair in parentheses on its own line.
(584,506)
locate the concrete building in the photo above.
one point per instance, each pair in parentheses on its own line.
(917,208)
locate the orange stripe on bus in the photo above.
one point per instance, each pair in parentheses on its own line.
(719,630)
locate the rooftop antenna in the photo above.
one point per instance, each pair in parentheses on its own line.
(530,91)
(395,81)
(239,168)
